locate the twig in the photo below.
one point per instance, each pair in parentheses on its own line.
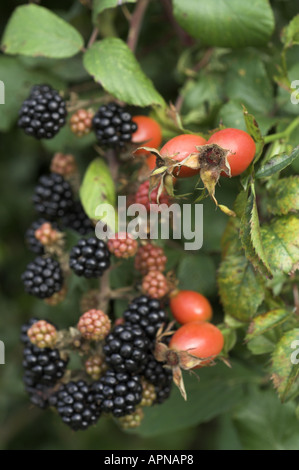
(113,163)
(135,24)
(104,296)
(185,39)
(93,37)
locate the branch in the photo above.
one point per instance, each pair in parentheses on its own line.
(93,37)
(135,24)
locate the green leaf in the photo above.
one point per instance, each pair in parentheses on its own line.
(263,423)
(251,236)
(35,31)
(283,369)
(217,390)
(255,132)
(98,6)
(113,64)
(281,244)
(240,288)
(226,24)
(277,163)
(290,34)
(18,81)
(198,273)
(284,196)
(267,321)
(97,188)
(261,344)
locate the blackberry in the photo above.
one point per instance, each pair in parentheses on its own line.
(155,284)
(44,366)
(53,196)
(38,393)
(126,349)
(32,242)
(118,393)
(24,328)
(81,122)
(89,258)
(43,113)
(113,125)
(146,313)
(76,404)
(76,219)
(150,258)
(43,277)
(142,197)
(123,245)
(159,376)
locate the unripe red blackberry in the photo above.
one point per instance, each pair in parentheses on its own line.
(53,196)
(126,348)
(32,242)
(118,393)
(155,285)
(42,334)
(57,298)
(43,113)
(63,164)
(146,313)
(95,366)
(76,403)
(48,236)
(131,421)
(148,394)
(90,258)
(77,220)
(150,257)
(43,277)
(81,122)
(113,125)
(142,197)
(122,245)
(94,325)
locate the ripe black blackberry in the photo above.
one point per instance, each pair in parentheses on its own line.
(24,328)
(53,196)
(77,220)
(32,242)
(43,365)
(147,314)
(113,125)
(118,393)
(159,376)
(43,277)
(43,113)
(76,403)
(38,393)
(126,349)
(90,257)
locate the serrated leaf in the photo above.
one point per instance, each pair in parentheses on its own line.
(267,321)
(217,390)
(290,34)
(281,243)
(263,423)
(98,6)
(114,66)
(241,289)
(284,196)
(97,188)
(226,24)
(36,31)
(277,163)
(251,237)
(255,132)
(284,371)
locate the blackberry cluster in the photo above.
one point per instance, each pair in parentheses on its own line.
(118,393)
(43,113)
(77,405)
(32,242)
(76,219)
(89,258)
(113,125)
(43,277)
(126,349)
(159,376)
(146,313)
(53,196)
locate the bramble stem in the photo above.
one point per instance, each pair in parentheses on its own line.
(135,24)
(282,135)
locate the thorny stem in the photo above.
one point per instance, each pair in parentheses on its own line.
(135,24)
(284,134)
(84,103)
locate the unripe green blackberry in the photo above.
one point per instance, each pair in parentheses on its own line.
(131,421)
(94,325)
(42,334)
(95,366)
(148,394)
